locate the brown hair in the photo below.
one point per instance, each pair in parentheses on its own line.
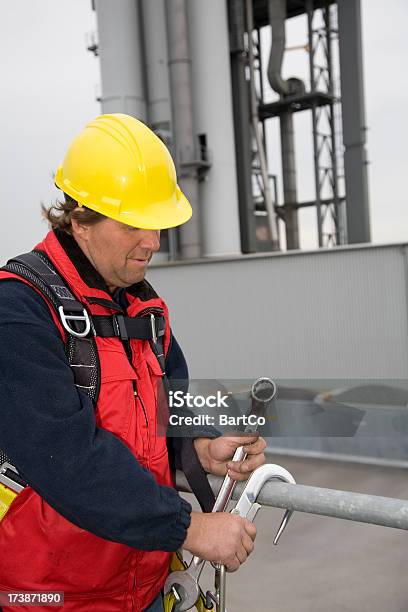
(60,214)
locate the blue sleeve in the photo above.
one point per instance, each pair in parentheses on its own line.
(177,373)
(49,432)
(176,364)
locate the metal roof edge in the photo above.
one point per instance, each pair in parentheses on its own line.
(273,254)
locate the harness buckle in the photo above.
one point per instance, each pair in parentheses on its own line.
(84,318)
(153,327)
(7,479)
(120,327)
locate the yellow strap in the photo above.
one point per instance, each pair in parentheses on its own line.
(7,496)
(169,602)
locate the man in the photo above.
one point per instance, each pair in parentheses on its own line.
(99,515)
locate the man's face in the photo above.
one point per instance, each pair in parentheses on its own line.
(119,253)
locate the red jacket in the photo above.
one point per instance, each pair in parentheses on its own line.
(95,574)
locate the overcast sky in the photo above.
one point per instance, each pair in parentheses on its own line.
(49,84)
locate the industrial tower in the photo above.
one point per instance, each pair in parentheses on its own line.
(194,71)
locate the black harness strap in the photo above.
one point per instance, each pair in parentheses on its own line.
(38,269)
(196,476)
(81,352)
(125,328)
(102,302)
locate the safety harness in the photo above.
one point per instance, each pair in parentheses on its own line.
(80,347)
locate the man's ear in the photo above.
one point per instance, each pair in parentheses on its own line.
(79,229)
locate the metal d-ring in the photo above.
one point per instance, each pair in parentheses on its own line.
(85,318)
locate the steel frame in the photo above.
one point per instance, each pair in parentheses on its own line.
(328,161)
(324,102)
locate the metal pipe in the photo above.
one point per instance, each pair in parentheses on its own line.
(256,126)
(310,14)
(242,128)
(277,16)
(289,179)
(373,509)
(158,91)
(292,86)
(157,74)
(184,146)
(121,58)
(213,121)
(222,589)
(354,122)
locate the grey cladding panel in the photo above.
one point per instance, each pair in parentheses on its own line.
(332,314)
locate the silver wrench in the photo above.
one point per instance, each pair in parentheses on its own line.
(184,584)
(263,392)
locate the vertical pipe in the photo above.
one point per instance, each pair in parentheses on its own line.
(260,66)
(157,74)
(212,106)
(242,131)
(158,92)
(277,16)
(354,128)
(289,179)
(262,121)
(121,59)
(184,147)
(310,13)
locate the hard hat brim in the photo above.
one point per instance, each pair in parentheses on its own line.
(158,216)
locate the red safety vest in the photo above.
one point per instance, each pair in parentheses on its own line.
(39,548)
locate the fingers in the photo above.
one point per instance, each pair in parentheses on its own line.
(245,467)
(250,530)
(240,557)
(248,545)
(240,470)
(244,438)
(254,447)
(233,565)
(220,454)
(244,550)
(220,537)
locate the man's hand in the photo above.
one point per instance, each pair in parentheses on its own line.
(215,455)
(220,537)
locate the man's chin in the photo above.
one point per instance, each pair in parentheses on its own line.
(132,279)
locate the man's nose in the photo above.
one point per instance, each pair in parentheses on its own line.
(150,240)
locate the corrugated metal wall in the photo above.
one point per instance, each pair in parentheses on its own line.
(340,313)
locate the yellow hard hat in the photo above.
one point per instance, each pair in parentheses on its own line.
(118,167)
